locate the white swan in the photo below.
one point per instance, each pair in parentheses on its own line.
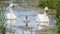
(11,15)
(43,19)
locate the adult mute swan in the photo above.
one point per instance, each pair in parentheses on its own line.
(11,15)
(43,19)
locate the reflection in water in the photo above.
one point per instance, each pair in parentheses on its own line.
(10,25)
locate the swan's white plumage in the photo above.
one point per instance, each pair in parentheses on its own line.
(43,19)
(46,8)
(11,15)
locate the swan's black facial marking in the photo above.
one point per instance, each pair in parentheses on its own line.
(13,6)
(46,11)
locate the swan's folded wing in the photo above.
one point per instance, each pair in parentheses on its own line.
(38,17)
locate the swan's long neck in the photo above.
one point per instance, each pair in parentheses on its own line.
(11,10)
(45,13)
